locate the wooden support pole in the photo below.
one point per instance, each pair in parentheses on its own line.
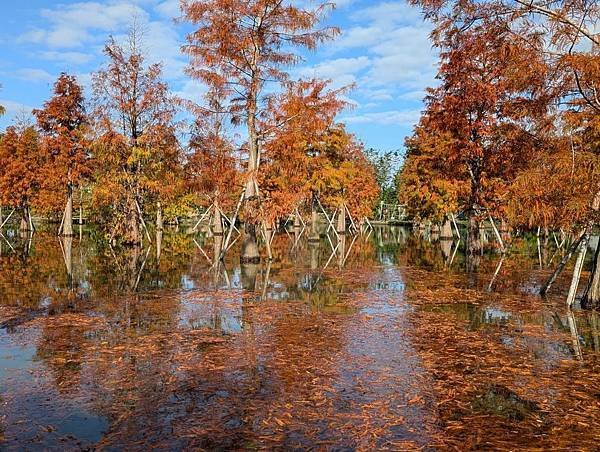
(546,287)
(331,225)
(7,218)
(497,233)
(139,209)
(351,219)
(234,218)
(195,228)
(577,272)
(455,225)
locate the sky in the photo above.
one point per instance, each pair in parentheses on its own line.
(383,49)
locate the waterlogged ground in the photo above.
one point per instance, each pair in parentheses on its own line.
(380,341)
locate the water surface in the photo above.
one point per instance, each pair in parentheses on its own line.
(381,340)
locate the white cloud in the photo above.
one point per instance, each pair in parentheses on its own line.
(88,24)
(392,117)
(169,8)
(15,108)
(413,95)
(390,13)
(67,57)
(379,94)
(392,40)
(73,25)
(34,75)
(341,71)
(192,90)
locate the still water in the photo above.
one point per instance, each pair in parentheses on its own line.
(381,340)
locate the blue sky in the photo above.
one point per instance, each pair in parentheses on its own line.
(383,48)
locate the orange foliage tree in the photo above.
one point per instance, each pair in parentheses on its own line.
(62,123)
(342,176)
(423,184)
(484,115)
(567,38)
(136,144)
(20,172)
(237,48)
(211,170)
(300,118)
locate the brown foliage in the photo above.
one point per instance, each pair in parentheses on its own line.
(63,125)
(137,150)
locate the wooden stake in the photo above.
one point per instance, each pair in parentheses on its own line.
(31,226)
(62,221)
(455,225)
(546,287)
(7,218)
(491,284)
(498,236)
(331,225)
(195,228)
(351,219)
(234,218)
(139,209)
(577,272)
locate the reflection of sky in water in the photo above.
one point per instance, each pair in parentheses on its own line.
(14,358)
(223,315)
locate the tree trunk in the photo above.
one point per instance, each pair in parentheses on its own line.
(25,219)
(314,255)
(159,237)
(80,208)
(217,249)
(249,247)
(314,224)
(297,223)
(67,229)
(132,255)
(159,217)
(217,221)
(341,220)
(268,230)
(67,243)
(249,271)
(132,223)
(446,231)
(1,216)
(341,250)
(591,298)
(446,246)
(473,235)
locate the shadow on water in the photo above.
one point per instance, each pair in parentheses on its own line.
(332,344)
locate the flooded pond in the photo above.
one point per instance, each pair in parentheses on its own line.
(377,341)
